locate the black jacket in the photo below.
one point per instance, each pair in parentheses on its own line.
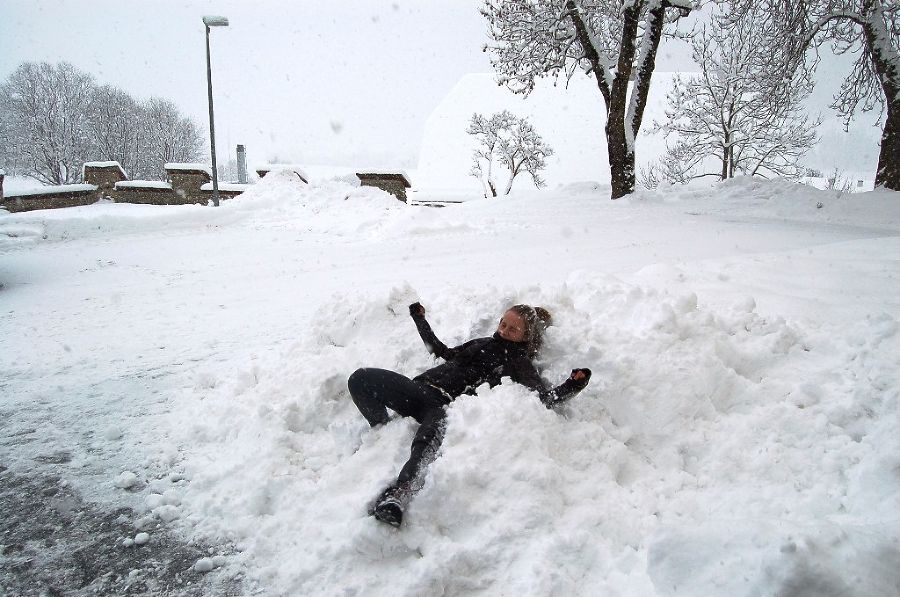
(483,360)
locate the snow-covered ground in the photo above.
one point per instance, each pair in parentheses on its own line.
(738,436)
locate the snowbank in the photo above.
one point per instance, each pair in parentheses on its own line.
(323,208)
(715,452)
(738,436)
(783,199)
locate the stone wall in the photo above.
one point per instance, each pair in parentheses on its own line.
(103,174)
(145,195)
(107,180)
(394,183)
(60,197)
(186,181)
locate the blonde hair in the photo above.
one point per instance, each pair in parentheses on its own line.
(537,319)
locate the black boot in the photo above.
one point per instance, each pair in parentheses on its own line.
(388,508)
(390,504)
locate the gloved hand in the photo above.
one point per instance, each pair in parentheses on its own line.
(416,309)
(580,377)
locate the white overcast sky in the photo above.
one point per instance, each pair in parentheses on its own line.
(343,82)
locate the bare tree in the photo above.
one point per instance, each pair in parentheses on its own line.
(11,159)
(734,117)
(836,181)
(615,42)
(675,167)
(53,118)
(868,28)
(228,171)
(114,118)
(524,150)
(487,131)
(512,141)
(46,133)
(166,136)
(141,137)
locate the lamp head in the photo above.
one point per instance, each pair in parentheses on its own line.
(215,21)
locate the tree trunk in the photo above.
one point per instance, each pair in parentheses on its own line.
(489,177)
(621,160)
(621,151)
(731,161)
(885,64)
(888,175)
(623,175)
(484,187)
(725,160)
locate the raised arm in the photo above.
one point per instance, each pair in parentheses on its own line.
(523,372)
(434,346)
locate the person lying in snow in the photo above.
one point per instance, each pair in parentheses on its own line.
(507,353)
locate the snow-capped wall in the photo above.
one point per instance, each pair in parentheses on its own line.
(571,119)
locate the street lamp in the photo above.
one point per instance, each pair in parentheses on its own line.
(212,21)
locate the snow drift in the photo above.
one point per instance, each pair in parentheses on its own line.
(738,435)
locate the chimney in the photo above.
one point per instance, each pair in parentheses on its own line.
(242,164)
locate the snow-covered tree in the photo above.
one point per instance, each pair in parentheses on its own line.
(615,42)
(53,118)
(115,122)
(511,141)
(142,137)
(166,136)
(870,29)
(732,118)
(487,132)
(46,132)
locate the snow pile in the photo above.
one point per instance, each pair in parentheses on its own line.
(281,197)
(715,452)
(738,435)
(337,207)
(104,219)
(783,199)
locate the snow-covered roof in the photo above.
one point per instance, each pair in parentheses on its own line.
(143,184)
(191,167)
(112,164)
(52,190)
(384,173)
(226,186)
(289,167)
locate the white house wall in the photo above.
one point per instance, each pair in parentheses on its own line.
(570,119)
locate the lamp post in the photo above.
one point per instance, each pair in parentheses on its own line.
(212,21)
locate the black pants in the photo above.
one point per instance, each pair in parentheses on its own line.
(376,390)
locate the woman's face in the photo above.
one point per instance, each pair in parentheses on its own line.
(512,327)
